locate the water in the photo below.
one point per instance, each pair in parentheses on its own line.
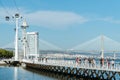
(18,73)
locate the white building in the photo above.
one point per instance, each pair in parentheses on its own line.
(32,45)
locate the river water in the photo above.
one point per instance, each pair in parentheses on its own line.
(18,73)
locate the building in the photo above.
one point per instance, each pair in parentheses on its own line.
(32,45)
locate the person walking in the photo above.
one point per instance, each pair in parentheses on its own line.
(112,63)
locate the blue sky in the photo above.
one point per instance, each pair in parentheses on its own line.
(65,23)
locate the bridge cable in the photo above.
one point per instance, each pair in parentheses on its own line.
(16,6)
(5,9)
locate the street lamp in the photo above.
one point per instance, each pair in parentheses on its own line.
(16,17)
(24,39)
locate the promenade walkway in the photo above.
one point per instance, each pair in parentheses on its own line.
(71,63)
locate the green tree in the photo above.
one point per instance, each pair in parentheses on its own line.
(6,53)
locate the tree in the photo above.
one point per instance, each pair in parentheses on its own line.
(6,53)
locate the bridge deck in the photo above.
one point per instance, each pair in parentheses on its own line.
(73,64)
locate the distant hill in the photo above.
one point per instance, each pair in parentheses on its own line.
(10,49)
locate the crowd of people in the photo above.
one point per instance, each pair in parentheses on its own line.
(92,62)
(44,59)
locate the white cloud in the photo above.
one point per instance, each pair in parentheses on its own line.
(54,18)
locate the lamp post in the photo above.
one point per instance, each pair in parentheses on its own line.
(114,55)
(102,46)
(24,26)
(16,17)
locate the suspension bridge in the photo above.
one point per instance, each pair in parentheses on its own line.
(97,43)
